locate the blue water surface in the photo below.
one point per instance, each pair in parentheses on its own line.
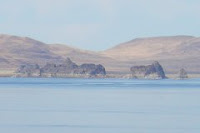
(53,105)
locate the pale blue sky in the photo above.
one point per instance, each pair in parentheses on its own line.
(98,24)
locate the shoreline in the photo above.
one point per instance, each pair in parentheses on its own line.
(12,74)
(170,76)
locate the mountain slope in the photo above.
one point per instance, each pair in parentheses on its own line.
(173,52)
(147,47)
(15,51)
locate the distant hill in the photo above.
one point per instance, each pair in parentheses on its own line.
(173,52)
(147,48)
(18,50)
(15,51)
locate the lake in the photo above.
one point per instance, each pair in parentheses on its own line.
(39,105)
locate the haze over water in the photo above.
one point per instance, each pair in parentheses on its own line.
(99,106)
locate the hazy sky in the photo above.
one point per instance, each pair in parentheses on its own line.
(98,24)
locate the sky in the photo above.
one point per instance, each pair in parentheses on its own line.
(98,24)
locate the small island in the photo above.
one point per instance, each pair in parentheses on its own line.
(153,71)
(64,70)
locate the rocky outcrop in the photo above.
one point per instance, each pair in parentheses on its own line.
(182,74)
(29,71)
(59,70)
(153,71)
(66,69)
(91,69)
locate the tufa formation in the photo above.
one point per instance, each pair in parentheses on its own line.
(153,71)
(66,69)
(182,74)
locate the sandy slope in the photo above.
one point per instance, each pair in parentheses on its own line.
(173,53)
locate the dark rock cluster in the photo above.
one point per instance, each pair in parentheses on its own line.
(66,69)
(153,71)
(29,70)
(182,74)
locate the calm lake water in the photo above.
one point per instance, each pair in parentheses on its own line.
(99,106)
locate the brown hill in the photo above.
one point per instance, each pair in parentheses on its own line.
(18,50)
(173,53)
(15,51)
(145,48)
